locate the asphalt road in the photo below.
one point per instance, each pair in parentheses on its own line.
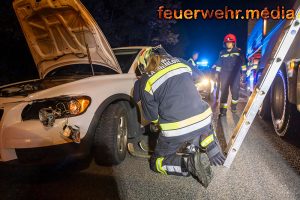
(266,167)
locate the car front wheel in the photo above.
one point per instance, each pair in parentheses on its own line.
(110,142)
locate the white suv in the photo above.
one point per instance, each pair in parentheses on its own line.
(83,98)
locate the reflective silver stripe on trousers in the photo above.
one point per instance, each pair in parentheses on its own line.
(168,75)
(175,169)
(171,168)
(188,129)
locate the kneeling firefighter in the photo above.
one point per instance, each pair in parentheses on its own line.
(187,144)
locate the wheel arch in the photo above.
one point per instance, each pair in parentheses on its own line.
(291,86)
(127,101)
(291,83)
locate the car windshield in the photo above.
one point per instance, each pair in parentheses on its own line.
(80,70)
(126,57)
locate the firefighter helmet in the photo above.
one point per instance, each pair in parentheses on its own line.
(144,57)
(159,50)
(149,58)
(230,38)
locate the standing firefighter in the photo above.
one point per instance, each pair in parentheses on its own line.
(170,99)
(194,59)
(229,66)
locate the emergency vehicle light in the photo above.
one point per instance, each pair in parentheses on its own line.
(203,63)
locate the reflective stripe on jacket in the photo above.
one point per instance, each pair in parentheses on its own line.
(231,61)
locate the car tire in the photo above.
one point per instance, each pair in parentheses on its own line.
(111,135)
(282,111)
(208,96)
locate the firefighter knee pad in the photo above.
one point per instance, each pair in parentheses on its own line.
(156,164)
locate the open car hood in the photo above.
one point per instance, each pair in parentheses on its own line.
(62,32)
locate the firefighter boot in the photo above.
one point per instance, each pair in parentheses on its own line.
(233,108)
(198,165)
(223,112)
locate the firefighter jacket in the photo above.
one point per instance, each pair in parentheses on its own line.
(170,98)
(192,62)
(231,61)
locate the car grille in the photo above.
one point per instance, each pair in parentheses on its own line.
(1,113)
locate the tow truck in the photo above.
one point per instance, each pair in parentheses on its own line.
(281,74)
(282,103)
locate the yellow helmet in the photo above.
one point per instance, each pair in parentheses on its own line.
(144,57)
(149,59)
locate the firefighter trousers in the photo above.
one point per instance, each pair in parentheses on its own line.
(229,80)
(166,158)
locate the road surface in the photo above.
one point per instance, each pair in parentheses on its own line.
(266,167)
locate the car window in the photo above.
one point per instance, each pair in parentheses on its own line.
(80,69)
(126,57)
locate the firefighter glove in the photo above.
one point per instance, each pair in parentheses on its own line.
(215,154)
(213,149)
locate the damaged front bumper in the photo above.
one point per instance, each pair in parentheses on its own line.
(30,141)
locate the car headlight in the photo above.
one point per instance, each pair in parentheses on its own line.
(60,107)
(204,82)
(78,106)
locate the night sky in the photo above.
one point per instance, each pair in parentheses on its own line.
(205,36)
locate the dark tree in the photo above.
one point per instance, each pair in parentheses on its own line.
(128,23)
